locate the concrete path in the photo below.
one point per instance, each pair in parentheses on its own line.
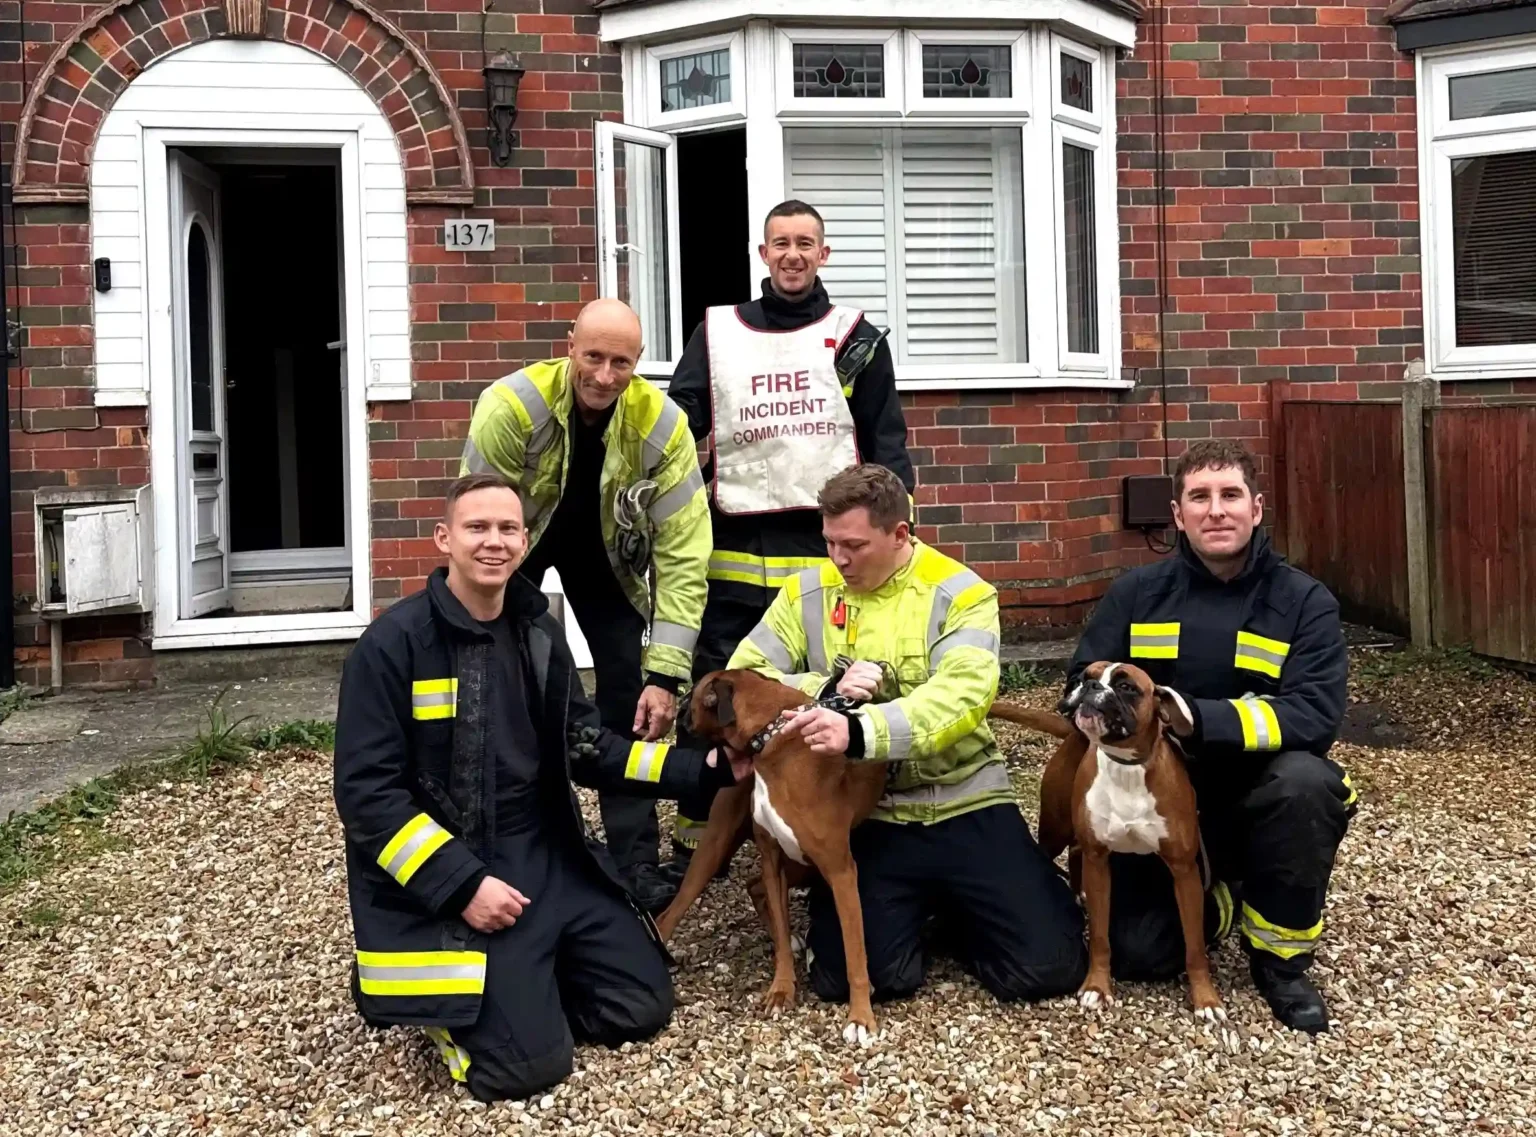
(55,743)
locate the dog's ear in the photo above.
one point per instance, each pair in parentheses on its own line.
(725,710)
(1174,711)
(707,697)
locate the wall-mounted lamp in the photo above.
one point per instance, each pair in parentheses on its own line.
(502,76)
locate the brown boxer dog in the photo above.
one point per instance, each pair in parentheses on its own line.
(1120,786)
(800,808)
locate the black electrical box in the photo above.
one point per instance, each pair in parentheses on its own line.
(1146,501)
(103,274)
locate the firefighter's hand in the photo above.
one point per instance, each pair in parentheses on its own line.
(741,764)
(496,905)
(824,730)
(860,681)
(655,713)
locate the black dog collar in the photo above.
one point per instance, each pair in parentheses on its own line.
(840,703)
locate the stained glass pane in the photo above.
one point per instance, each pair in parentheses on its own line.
(1076,82)
(839,71)
(698,80)
(960,71)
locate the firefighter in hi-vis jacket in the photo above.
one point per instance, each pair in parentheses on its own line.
(788,389)
(1256,650)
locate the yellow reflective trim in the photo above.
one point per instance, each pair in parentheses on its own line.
(1250,732)
(431,845)
(1267,713)
(1155,629)
(646,760)
(434,686)
(412,827)
(1256,653)
(421,986)
(1279,647)
(445,711)
(1223,909)
(1276,939)
(1155,641)
(1354,794)
(421,958)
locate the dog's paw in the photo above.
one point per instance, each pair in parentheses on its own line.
(778,999)
(860,1035)
(1092,999)
(1212,1015)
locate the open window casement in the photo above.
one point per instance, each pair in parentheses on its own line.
(637,236)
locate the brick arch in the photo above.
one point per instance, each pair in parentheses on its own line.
(93,66)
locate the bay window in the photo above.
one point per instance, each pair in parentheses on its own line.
(1478,164)
(965,175)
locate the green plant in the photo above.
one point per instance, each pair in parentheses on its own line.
(13,699)
(307,734)
(1024,677)
(1375,666)
(220,744)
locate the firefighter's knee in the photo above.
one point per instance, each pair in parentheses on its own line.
(619,1015)
(1296,782)
(499,1075)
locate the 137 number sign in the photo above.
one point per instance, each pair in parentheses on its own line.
(469,235)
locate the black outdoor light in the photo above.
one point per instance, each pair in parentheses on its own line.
(502,76)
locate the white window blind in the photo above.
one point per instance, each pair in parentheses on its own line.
(926,231)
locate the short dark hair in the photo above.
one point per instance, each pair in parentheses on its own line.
(794,208)
(869,487)
(1215,454)
(469,483)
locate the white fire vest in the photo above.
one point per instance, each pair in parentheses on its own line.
(782,424)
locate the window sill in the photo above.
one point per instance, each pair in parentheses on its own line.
(1487,373)
(121,397)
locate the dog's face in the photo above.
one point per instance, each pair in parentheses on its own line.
(710,711)
(1118,704)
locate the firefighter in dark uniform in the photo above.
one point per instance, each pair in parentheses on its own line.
(482,909)
(1254,646)
(789,390)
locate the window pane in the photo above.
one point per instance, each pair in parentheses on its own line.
(1082,278)
(926,229)
(1076,82)
(958,71)
(200,327)
(640,235)
(839,71)
(1493,92)
(1494,214)
(699,80)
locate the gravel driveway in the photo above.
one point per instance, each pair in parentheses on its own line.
(195,982)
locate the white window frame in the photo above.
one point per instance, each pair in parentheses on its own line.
(1442,141)
(733,109)
(763,92)
(1017,39)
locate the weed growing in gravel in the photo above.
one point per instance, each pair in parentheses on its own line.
(70,826)
(13,699)
(1372,667)
(1024,677)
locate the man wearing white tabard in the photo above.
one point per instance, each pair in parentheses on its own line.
(788,389)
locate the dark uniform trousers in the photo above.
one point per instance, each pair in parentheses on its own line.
(578,966)
(1007,915)
(1270,837)
(614,631)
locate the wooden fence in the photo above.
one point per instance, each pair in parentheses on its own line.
(1421,519)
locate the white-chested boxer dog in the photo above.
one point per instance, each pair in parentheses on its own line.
(1121,787)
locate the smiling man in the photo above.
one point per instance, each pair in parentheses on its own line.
(1255,649)
(610,479)
(481,907)
(947,841)
(789,389)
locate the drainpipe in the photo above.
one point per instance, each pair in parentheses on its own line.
(7,584)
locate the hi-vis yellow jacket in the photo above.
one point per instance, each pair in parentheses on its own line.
(936,623)
(520,429)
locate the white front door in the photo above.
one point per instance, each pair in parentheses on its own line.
(197,308)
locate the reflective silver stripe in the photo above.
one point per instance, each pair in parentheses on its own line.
(373,971)
(438,699)
(473,460)
(660,434)
(1253,651)
(674,635)
(811,620)
(991,778)
(898,731)
(408,850)
(1156,641)
(767,641)
(944,594)
(541,420)
(676,497)
(962,637)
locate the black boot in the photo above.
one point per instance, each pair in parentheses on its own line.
(1292,996)
(651,889)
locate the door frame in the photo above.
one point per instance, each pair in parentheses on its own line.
(170,629)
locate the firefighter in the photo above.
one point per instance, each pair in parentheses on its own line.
(947,841)
(1254,646)
(481,908)
(610,479)
(788,389)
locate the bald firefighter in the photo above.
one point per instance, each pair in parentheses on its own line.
(610,480)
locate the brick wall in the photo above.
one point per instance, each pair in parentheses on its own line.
(1291,254)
